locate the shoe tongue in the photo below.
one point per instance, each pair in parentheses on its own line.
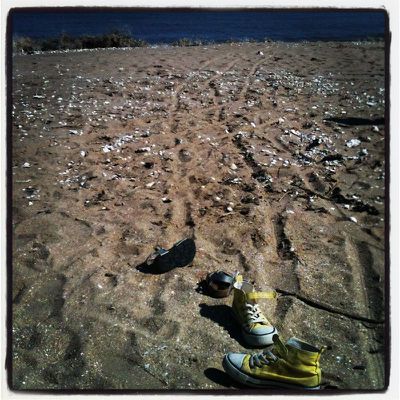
(249,299)
(248,288)
(252,296)
(280,346)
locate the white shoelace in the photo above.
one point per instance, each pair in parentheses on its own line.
(253,314)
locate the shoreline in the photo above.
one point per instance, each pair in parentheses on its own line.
(185,42)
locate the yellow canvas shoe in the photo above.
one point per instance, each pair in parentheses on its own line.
(256,329)
(291,365)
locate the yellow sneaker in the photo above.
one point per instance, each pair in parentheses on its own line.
(294,365)
(256,329)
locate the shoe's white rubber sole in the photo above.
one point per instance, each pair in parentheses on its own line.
(240,376)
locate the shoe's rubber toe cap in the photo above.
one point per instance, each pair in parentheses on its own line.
(260,336)
(263,330)
(236,359)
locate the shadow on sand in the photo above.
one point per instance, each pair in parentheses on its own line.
(222,378)
(223,316)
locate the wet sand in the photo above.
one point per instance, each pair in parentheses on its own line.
(271,155)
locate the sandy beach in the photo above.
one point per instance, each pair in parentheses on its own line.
(270,155)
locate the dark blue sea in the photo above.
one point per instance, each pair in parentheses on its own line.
(215,26)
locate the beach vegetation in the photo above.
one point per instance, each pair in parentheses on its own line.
(67,42)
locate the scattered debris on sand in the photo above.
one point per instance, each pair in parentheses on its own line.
(275,168)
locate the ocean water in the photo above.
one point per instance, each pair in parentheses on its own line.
(169,26)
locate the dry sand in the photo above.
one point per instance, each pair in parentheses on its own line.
(116,151)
